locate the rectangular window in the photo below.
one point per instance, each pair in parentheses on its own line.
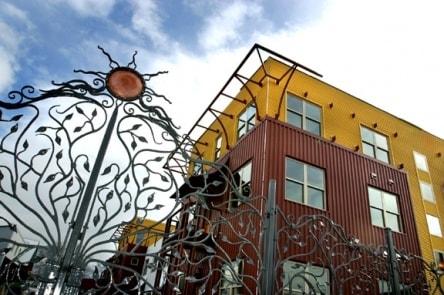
(434,225)
(303,114)
(427,191)
(384,209)
(305,184)
(242,181)
(218,148)
(439,260)
(305,279)
(375,145)
(246,122)
(231,283)
(420,162)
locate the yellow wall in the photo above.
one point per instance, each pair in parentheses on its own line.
(153,232)
(342,116)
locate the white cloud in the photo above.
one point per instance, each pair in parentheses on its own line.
(92,7)
(10,40)
(386,53)
(148,21)
(223,26)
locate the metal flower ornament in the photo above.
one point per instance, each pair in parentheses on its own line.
(83,166)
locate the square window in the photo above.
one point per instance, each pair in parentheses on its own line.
(434,225)
(305,184)
(384,209)
(427,191)
(375,145)
(303,114)
(420,162)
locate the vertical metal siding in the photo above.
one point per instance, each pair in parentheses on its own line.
(347,176)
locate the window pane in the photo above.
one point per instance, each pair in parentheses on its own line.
(293,191)
(246,173)
(295,170)
(312,111)
(315,176)
(390,203)
(377,217)
(368,149)
(420,162)
(251,112)
(382,155)
(294,119)
(427,192)
(392,221)
(367,135)
(381,141)
(294,104)
(318,280)
(313,127)
(434,226)
(375,197)
(315,198)
(241,129)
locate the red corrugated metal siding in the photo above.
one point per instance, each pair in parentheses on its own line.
(348,174)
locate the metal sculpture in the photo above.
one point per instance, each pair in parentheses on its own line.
(79,162)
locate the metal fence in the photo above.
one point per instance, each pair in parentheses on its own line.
(87,174)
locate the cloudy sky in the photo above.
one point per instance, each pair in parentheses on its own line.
(388,53)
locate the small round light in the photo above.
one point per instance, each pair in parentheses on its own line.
(125,83)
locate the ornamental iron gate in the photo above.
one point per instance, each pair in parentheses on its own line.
(90,173)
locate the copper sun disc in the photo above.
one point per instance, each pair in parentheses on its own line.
(125,83)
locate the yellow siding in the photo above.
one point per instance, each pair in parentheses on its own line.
(342,116)
(153,232)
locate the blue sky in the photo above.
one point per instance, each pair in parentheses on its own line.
(388,53)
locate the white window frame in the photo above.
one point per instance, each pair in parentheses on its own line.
(420,161)
(434,225)
(243,184)
(303,114)
(375,144)
(246,120)
(427,191)
(307,186)
(305,272)
(384,209)
(231,272)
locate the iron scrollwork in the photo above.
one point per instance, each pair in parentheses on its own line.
(79,163)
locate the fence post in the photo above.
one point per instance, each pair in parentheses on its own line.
(269,275)
(394,274)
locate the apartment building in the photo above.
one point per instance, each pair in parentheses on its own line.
(329,153)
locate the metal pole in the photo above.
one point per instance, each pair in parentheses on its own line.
(394,277)
(269,276)
(86,200)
